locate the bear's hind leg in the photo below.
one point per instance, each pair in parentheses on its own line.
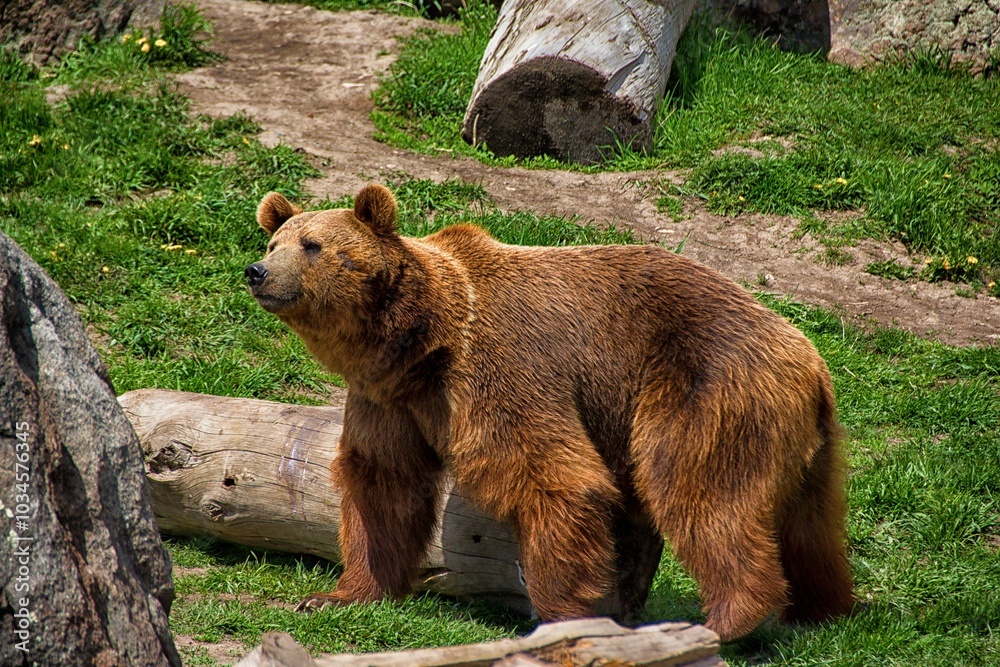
(813,544)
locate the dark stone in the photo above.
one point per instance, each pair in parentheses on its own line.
(82,556)
(43,30)
(795,25)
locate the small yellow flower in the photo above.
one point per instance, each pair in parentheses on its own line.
(171,248)
(190,251)
(818,186)
(65,147)
(61,245)
(145,47)
(246,141)
(35,140)
(929,260)
(105,269)
(142,40)
(126,37)
(842,180)
(742,198)
(52,254)
(947,175)
(971,260)
(991,285)
(160,43)
(945,263)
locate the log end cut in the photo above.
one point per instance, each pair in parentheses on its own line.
(555,107)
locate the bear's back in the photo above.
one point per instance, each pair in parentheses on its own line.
(590,322)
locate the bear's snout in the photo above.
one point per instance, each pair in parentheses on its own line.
(256,273)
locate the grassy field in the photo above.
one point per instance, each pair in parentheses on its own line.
(914,144)
(143,213)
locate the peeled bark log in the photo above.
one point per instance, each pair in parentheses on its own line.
(84,578)
(257,473)
(572,79)
(594,641)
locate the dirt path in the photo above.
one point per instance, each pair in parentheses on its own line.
(306,76)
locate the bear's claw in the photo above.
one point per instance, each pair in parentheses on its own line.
(318,601)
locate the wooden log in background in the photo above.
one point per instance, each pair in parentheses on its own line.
(257,473)
(567,78)
(593,641)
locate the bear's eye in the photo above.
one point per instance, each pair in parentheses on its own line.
(310,246)
(270,246)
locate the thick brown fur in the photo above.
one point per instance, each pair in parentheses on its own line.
(558,383)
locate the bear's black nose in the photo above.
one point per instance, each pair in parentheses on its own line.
(255,273)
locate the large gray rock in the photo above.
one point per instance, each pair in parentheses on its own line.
(44,29)
(869,30)
(85,578)
(859,32)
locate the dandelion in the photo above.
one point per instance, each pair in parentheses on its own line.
(842,180)
(991,285)
(65,147)
(61,245)
(742,198)
(145,48)
(52,254)
(929,260)
(246,141)
(970,260)
(35,140)
(105,269)
(818,186)
(945,264)
(190,251)
(947,175)
(160,43)
(142,40)
(126,37)
(171,248)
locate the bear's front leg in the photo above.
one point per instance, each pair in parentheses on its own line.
(388,479)
(561,498)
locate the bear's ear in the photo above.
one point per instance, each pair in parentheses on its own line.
(375,206)
(274,211)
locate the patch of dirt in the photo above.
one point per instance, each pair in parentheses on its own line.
(225,652)
(307,75)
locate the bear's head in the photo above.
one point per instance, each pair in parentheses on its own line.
(322,267)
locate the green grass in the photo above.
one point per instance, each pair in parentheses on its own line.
(912,144)
(137,57)
(890,269)
(430,8)
(146,221)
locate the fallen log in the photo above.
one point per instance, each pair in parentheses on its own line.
(570,79)
(592,641)
(257,473)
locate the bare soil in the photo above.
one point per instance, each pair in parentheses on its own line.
(307,76)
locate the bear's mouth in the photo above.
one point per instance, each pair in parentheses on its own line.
(275,304)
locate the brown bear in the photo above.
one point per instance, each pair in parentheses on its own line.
(558,384)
